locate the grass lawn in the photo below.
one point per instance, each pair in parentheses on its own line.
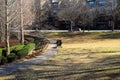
(89,56)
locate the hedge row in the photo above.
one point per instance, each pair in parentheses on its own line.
(0,52)
(23,52)
(16,47)
(17,52)
(20,51)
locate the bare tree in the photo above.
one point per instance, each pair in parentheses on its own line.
(15,14)
(72,10)
(97,10)
(114,12)
(111,8)
(85,15)
(7,28)
(10,14)
(26,16)
(22,24)
(41,9)
(2,15)
(69,10)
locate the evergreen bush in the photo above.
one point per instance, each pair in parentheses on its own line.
(12,57)
(26,49)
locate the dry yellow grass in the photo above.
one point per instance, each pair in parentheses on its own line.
(88,57)
(7,77)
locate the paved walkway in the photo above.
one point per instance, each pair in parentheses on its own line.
(50,52)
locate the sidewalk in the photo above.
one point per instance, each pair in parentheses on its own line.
(50,52)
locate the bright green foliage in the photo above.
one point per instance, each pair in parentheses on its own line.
(19,51)
(16,47)
(0,52)
(19,47)
(26,49)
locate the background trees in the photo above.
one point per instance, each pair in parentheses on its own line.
(69,10)
(2,26)
(41,10)
(75,9)
(14,15)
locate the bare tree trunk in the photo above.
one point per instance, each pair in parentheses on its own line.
(113,26)
(2,32)
(113,22)
(71,27)
(84,28)
(39,12)
(7,29)
(21,26)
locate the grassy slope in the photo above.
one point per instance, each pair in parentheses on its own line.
(89,56)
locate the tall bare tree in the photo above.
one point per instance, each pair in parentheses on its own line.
(2,15)
(41,9)
(74,9)
(22,24)
(7,28)
(114,12)
(69,10)
(10,14)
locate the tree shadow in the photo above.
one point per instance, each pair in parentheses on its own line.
(113,35)
(72,34)
(69,34)
(107,68)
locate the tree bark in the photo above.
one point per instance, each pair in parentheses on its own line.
(113,26)
(83,29)
(71,27)
(2,32)
(21,26)
(7,29)
(113,22)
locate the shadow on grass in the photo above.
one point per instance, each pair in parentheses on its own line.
(92,35)
(69,34)
(105,69)
(114,35)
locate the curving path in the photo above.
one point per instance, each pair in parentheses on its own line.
(50,52)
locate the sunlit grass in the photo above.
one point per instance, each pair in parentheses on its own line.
(7,77)
(88,56)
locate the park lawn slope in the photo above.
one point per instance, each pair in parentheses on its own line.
(89,56)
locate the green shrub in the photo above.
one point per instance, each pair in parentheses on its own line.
(4,52)
(38,40)
(3,60)
(12,57)
(26,49)
(19,47)
(16,47)
(0,52)
(0,58)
